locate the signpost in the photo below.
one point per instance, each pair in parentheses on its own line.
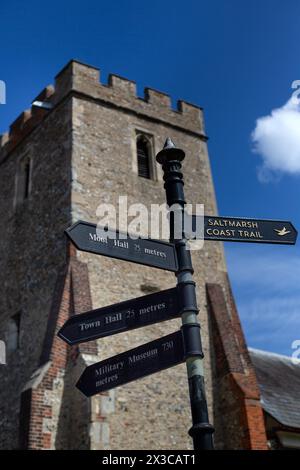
(183,345)
(120,317)
(155,253)
(233,229)
(201,431)
(139,362)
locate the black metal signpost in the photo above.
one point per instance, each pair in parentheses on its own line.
(131,365)
(121,317)
(233,229)
(170,158)
(183,345)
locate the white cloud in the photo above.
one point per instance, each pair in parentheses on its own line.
(276,139)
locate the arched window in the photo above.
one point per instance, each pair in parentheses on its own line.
(12,336)
(26,171)
(143,147)
(23,180)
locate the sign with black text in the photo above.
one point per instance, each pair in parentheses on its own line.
(139,362)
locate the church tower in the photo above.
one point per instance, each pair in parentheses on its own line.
(87,145)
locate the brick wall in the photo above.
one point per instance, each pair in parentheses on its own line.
(238,414)
(32,248)
(54,414)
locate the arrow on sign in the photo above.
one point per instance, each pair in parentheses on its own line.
(121,317)
(88,237)
(233,229)
(139,362)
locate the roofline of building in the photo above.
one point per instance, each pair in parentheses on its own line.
(83,81)
(273,354)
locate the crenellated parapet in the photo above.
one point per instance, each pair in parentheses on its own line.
(83,81)
(25,123)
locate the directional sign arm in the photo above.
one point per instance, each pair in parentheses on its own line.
(139,362)
(114,244)
(120,317)
(233,229)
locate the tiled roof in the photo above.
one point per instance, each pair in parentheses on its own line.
(279,383)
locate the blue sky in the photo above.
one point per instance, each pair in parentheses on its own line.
(235,58)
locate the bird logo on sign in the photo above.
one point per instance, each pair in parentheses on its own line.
(283,231)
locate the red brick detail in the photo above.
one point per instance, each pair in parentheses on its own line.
(25,413)
(82,300)
(72,294)
(27,121)
(238,412)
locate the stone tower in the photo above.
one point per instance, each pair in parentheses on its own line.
(57,164)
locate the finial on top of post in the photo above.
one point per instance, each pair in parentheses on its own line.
(169,153)
(169,143)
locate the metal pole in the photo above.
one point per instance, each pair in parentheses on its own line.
(201,431)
